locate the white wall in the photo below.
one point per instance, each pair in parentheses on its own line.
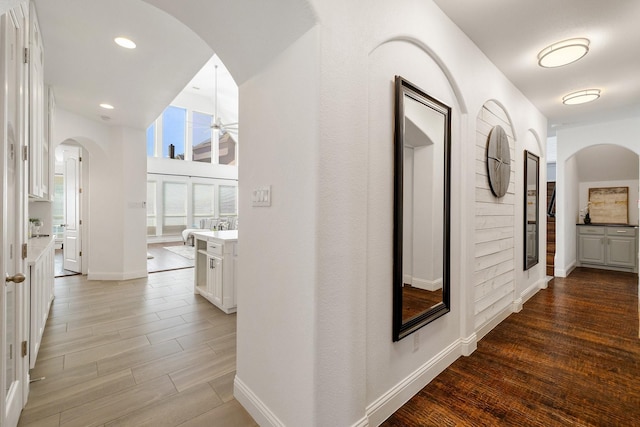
(114,239)
(624,133)
(314,280)
(423,46)
(277,302)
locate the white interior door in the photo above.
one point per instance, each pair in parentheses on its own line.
(72,240)
(14,301)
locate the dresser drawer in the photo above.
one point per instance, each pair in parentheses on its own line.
(591,229)
(214,248)
(621,231)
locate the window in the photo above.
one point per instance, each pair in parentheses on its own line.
(151,140)
(174,126)
(152,216)
(203,202)
(57,207)
(228,200)
(201,137)
(191,134)
(174,208)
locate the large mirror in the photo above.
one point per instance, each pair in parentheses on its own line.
(421,209)
(531,223)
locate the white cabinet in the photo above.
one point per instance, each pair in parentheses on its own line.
(608,247)
(40,259)
(40,112)
(216,261)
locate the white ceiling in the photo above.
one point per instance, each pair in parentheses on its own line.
(511,33)
(85,67)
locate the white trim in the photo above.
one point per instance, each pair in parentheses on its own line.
(497,319)
(252,403)
(363,422)
(117,276)
(560,272)
(383,407)
(469,344)
(427,285)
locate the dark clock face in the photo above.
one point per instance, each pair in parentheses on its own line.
(498,161)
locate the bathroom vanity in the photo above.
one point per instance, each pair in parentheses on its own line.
(216,264)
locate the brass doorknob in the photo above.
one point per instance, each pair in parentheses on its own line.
(16,278)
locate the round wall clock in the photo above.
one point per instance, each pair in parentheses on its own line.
(498,161)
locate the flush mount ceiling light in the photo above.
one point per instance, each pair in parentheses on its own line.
(563,53)
(581,96)
(125,42)
(107,106)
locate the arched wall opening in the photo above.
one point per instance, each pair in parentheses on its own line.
(592,166)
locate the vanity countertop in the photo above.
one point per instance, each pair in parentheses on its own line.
(224,235)
(36,246)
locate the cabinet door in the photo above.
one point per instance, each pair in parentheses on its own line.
(621,251)
(591,249)
(214,279)
(37,106)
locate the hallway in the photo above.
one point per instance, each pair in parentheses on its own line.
(570,357)
(137,352)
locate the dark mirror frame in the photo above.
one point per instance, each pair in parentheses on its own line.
(531,261)
(400,330)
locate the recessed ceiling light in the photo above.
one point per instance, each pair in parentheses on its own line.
(581,96)
(125,42)
(107,106)
(563,53)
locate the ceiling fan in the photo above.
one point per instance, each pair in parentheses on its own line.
(217,121)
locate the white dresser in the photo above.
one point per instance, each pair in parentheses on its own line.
(216,264)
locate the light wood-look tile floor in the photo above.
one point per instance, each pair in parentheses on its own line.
(144,352)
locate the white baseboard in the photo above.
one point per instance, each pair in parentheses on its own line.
(427,285)
(469,345)
(497,319)
(117,276)
(383,407)
(364,422)
(527,294)
(256,407)
(564,272)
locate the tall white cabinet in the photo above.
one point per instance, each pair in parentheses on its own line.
(216,264)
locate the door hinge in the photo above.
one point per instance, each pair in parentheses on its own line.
(10,351)
(25,350)
(26,55)
(80,158)
(80,222)
(24,251)
(80,253)
(25,153)
(79,190)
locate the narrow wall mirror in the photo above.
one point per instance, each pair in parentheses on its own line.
(531,222)
(421,209)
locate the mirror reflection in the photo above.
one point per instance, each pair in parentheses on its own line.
(531,226)
(421,230)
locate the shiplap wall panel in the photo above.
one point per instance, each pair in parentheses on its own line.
(494,226)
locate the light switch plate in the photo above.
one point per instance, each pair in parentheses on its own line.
(261,196)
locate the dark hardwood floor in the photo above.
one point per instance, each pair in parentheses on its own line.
(415,301)
(571,357)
